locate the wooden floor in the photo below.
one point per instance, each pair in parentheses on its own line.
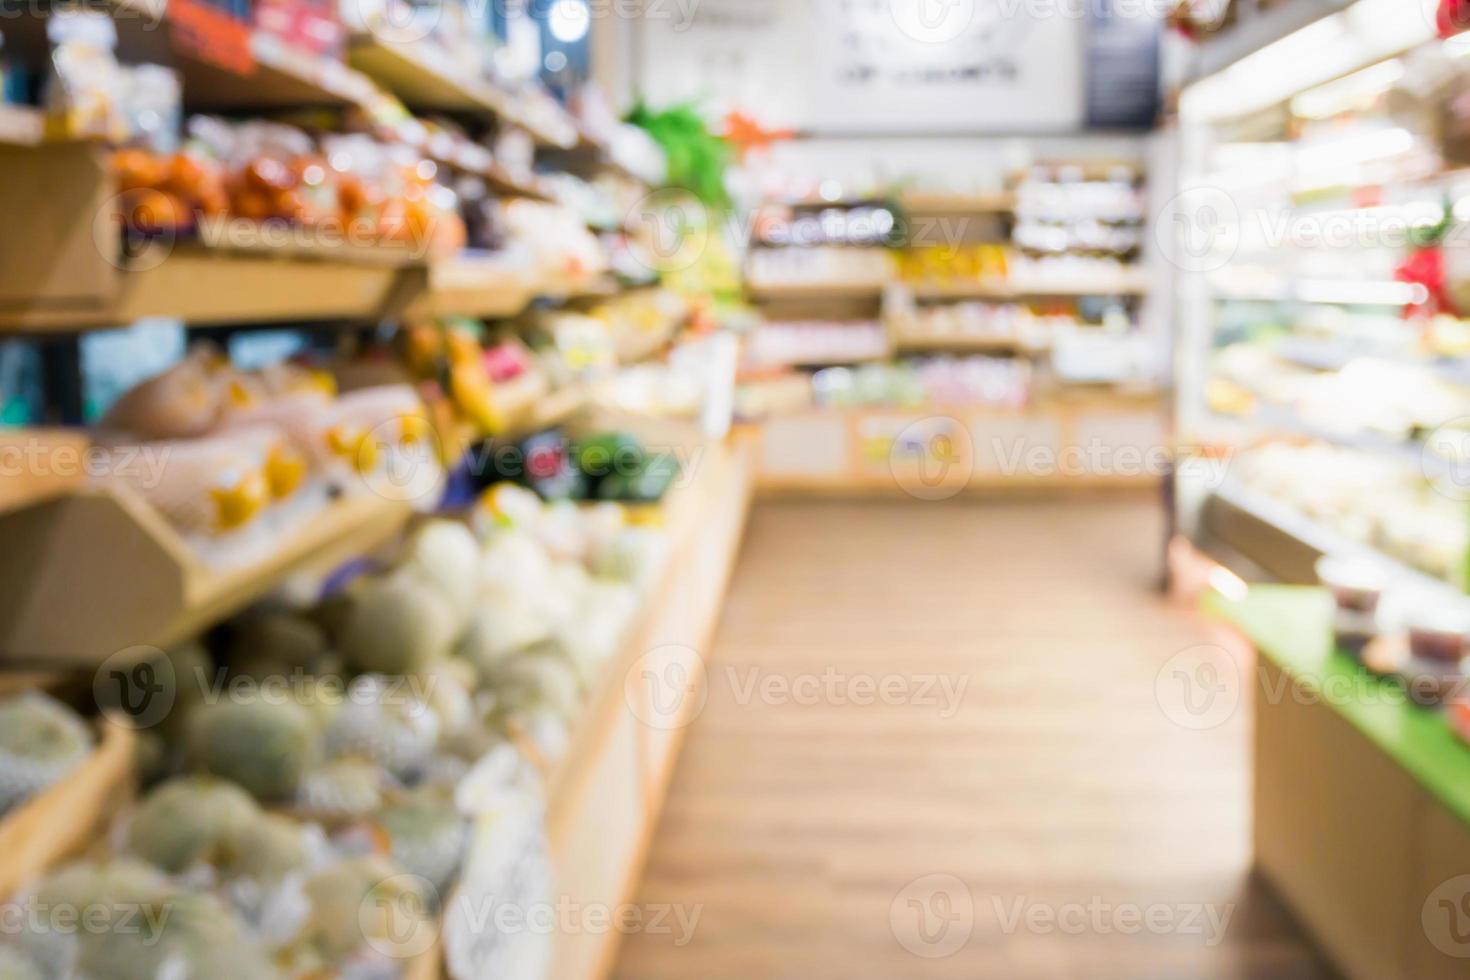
(1027,834)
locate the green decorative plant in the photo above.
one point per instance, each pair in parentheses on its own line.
(698,158)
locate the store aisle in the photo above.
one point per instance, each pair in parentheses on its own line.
(1019,749)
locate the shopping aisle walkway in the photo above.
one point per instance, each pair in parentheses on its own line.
(1051,823)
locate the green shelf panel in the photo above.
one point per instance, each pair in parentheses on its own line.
(1292,626)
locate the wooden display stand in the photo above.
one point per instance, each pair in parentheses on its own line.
(1362,806)
(473,285)
(62,267)
(95,572)
(65,819)
(606,795)
(1086,442)
(57,455)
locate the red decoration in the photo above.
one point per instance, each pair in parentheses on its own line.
(206,32)
(1425,267)
(745,134)
(1453,17)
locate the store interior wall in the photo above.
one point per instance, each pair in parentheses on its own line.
(762,58)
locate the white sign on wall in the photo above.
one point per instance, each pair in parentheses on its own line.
(876,66)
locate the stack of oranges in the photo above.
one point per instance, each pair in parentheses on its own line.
(172,193)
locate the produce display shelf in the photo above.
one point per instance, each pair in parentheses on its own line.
(476,284)
(507,184)
(58,456)
(1292,625)
(203,285)
(1286,544)
(95,572)
(1331,355)
(605,796)
(407,70)
(1281,419)
(63,820)
(555,409)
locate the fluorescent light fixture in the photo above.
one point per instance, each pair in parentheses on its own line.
(1367,32)
(1339,96)
(569,20)
(1350,292)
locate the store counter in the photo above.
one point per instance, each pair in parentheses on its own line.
(1362,799)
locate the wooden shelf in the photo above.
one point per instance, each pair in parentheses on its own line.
(63,268)
(555,409)
(506,184)
(57,456)
(790,292)
(409,72)
(1127,283)
(914,343)
(921,202)
(97,571)
(1055,443)
(1285,544)
(605,797)
(64,819)
(474,284)
(204,286)
(285,77)
(998,289)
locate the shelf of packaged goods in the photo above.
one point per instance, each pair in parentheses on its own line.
(763,370)
(507,184)
(590,287)
(39,464)
(273,73)
(1286,544)
(605,796)
(1321,354)
(806,291)
(97,571)
(474,284)
(21,125)
(1281,419)
(283,77)
(411,72)
(1125,283)
(66,818)
(934,202)
(951,343)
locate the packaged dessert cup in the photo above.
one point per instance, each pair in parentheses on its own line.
(1357,586)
